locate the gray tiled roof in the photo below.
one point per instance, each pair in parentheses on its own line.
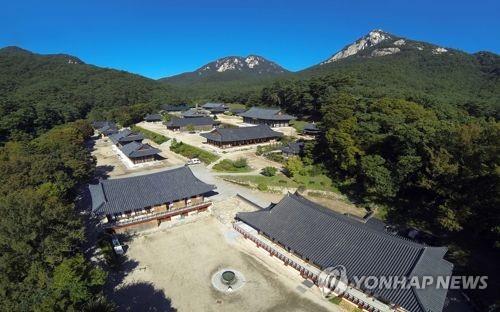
(175,108)
(195,113)
(105,127)
(195,121)
(124,194)
(124,136)
(241,133)
(293,148)
(153,117)
(214,105)
(266,113)
(311,127)
(135,149)
(328,238)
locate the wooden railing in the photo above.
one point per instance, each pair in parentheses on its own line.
(155,215)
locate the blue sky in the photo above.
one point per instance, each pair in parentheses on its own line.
(162,38)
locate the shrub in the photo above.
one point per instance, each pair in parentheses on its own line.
(153,136)
(262,187)
(259,151)
(294,166)
(239,165)
(269,171)
(190,151)
(275,157)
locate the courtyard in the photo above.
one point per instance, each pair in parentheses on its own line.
(109,163)
(176,265)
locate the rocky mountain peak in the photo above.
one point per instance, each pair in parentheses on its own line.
(250,63)
(373,38)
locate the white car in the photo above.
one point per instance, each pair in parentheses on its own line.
(117,246)
(193,161)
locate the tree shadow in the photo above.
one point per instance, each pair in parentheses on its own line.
(135,296)
(102,172)
(141,296)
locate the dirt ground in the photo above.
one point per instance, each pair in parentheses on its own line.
(339,205)
(180,262)
(109,163)
(248,152)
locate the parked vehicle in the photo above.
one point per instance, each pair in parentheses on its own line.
(193,161)
(117,246)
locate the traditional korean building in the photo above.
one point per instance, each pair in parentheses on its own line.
(175,108)
(125,136)
(238,111)
(139,153)
(105,128)
(293,149)
(311,129)
(311,238)
(153,118)
(198,124)
(229,137)
(266,116)
(146,201)
(195,113)
(215,108)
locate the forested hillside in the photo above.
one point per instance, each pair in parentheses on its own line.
(245,74)
(424,164)
(42,267)
(414,133)
(454,77)
(40,91)
(395,67)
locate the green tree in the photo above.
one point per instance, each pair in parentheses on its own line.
(73,284)
(377,181)
(269,171)
(294,166)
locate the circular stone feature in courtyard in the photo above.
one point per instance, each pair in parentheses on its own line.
(228,280)
(228,277)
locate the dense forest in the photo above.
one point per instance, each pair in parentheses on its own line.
(415,136)
(454,78)
(424,164)
(42,267)
(40,91)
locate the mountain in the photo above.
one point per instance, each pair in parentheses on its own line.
(378,43)
(384,64)
(244,73)
(230,67)
(39,91)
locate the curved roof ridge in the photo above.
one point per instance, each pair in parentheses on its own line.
(352,221)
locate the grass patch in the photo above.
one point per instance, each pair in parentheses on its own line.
(227,165)
(278,180)
(318,182)
(153,136)
(237,106)
(190,151)
(336,300)
(298,124)
(277,157)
